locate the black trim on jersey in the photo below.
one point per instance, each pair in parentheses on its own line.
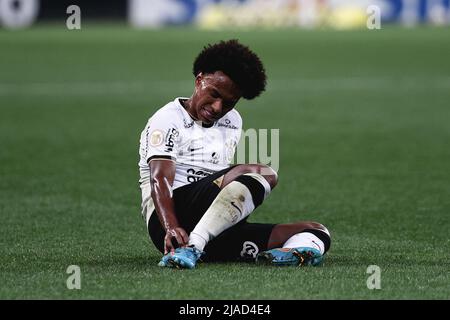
(160,157)
(208,125)
(256,189)
(322,236)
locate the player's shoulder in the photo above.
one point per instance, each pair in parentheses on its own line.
(235,115)
(169,112)
(231,120)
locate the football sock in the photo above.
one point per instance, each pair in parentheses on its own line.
(310,238)
(233,204)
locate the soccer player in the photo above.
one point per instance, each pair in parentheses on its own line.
(194,202)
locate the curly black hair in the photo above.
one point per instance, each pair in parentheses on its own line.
(238,62)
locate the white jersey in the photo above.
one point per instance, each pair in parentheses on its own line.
(198,151)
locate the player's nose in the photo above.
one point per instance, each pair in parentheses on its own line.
(217,106)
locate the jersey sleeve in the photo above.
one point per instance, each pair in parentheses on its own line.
(236,130)
(162,136)
(237,121)
(239,125)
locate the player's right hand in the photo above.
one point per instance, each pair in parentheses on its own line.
(175,237)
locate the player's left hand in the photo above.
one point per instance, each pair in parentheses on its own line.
(175,237)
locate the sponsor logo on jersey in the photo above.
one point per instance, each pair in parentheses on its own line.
(196,175)
(171,136)
(249,250)
(227,124)
(214,158)
(156,138)
(194,146)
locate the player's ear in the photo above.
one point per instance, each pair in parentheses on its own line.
(198,79)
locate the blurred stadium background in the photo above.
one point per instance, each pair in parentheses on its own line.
(364,127)
(217,14)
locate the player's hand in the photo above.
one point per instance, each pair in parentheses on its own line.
(175,237)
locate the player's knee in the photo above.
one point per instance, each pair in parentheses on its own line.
(265,171)
(270,175)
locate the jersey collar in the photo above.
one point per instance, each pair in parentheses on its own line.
(199,123)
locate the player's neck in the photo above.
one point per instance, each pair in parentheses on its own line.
(186,103)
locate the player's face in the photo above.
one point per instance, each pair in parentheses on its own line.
(215,94)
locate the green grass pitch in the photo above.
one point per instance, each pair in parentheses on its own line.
(364,119)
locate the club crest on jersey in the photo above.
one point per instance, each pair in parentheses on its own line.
(230,146)
(170,139)
(156,138)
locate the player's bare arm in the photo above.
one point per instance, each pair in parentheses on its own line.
(162,173)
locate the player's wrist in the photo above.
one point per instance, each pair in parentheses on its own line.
(172,227)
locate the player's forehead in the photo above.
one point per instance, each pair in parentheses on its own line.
(223,84)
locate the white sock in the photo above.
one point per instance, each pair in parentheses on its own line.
(305,239)
(233,204)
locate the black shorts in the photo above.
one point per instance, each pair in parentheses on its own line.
(242,242)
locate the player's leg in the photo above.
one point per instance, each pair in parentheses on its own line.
(240,243)
(242,189)
(302,243)
(252,170)
(281,233)
(289,244)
